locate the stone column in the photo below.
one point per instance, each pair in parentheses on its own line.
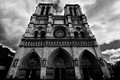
(78,11)
(43,73)
(89,31)
(43,69)
(70,26)
(44,13)
(49,26)
(73,11)
(68,10)
(104,68)
(38,10)
(77,70)
(51,10)
(49,29)
(69,19)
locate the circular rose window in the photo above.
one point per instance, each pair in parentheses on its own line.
(59,33)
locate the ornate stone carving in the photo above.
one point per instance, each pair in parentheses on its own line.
(59,42)
(15,62)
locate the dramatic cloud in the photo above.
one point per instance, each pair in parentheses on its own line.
(15,16)
(112,45)
(112,55)
(2,32)
(103,18)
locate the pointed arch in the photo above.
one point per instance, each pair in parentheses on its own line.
(59,52)
(36,34)
(43,34)
(29,66)
(30,56)
(83,34)
(89,66)
(88,55)
(60,62)
(76,34)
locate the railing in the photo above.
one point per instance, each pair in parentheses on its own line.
(31,42)
(60,79)
(43,79)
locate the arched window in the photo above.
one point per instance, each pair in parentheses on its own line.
(42,11)
(47,11)
(35,34)
(82,34)
(76,35)
(90,66)
(43,34)
(75,11)
(71,11)
(29,67)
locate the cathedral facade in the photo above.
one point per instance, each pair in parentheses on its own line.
(58,47)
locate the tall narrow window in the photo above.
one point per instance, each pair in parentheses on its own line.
(76,35)
(70,11)
(47,11)
(42,11)
(43,34)
(75,11)
(82,34)
(35,34)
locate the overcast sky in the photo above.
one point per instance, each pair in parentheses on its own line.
(103,17)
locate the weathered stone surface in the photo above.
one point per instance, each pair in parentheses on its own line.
(58,47)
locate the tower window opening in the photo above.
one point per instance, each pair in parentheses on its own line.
(43,34)
(76,35)
(75,11)
(42,11)
(47,11)
(71,11)
(35,34)
(82,34)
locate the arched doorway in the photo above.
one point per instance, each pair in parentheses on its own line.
(90,66)
(29,67)
(60,65)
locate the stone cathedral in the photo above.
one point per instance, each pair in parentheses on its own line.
(58,47)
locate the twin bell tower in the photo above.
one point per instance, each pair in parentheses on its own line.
(58,47)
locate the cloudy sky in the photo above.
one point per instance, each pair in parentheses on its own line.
(103,18)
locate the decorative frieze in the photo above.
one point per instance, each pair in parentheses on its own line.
(58,42)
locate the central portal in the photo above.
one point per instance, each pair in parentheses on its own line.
(59,73)
(60,65)
(59,68)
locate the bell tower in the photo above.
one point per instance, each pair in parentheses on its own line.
(58,47)
(77,21)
